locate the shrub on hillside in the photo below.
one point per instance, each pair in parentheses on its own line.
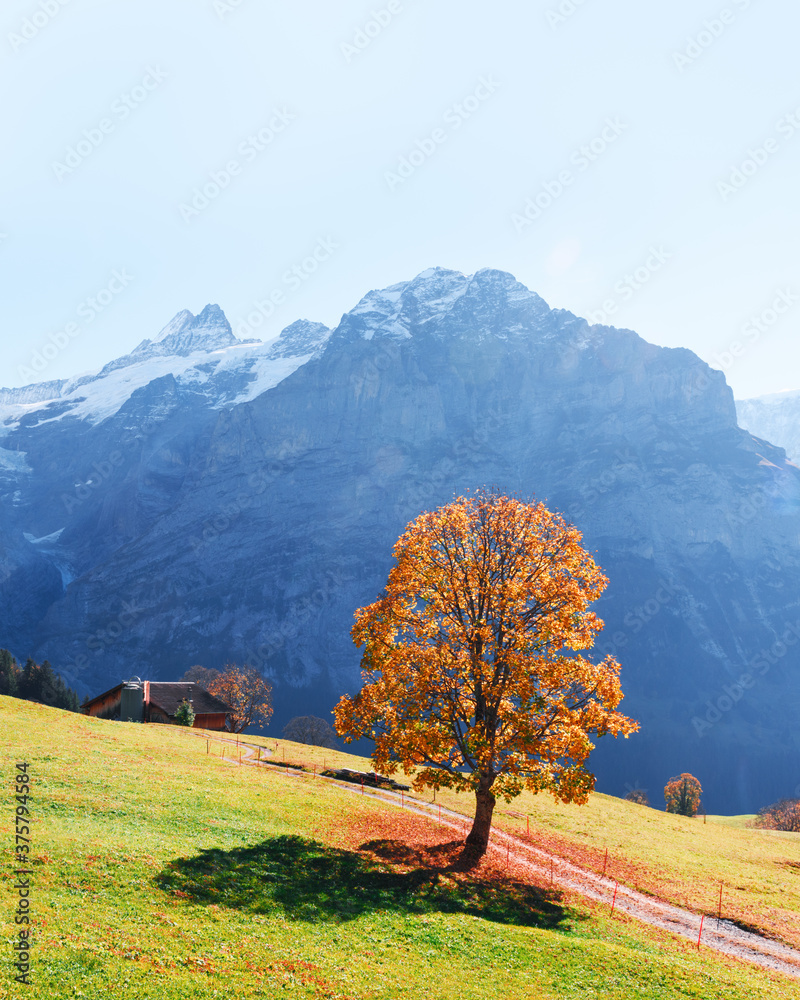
(638,795)
(184,716)
(782,815)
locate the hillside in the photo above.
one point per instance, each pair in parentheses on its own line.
(161,870)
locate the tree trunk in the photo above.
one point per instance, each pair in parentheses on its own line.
(478,839)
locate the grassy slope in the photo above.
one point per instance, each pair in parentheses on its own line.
(676,858)
(127,906)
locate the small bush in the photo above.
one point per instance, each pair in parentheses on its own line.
(185,714)
(782,815)
(638,795)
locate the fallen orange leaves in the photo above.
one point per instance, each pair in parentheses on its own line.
(407,841)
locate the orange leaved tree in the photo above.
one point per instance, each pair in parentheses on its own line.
(682,795)
(783,815)
(247,694)
(469,664)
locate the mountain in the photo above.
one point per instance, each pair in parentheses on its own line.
(199,352)
(240,502)
(775,417)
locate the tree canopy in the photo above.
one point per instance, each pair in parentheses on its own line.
(311,730)
(202,676)
(682,795)
(9,674)
(470,668)
(248,694)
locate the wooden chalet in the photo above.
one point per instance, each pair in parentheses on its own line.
(157,701)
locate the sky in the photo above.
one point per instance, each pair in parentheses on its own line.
(635,163)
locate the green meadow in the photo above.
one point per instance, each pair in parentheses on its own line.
(163,871)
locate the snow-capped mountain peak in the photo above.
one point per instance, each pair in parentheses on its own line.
(444,302)
(200,352)
(299,339)
(186,333)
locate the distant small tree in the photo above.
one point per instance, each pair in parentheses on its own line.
(311,730)
(203,677)
(782,815)
(638,795)
(30,681)
(247,693)
(9,674)
(682,795)
(66,698)
(185,714)
(49,693)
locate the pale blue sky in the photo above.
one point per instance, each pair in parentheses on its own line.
(202,77)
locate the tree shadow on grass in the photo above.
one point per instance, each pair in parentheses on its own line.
(306,880)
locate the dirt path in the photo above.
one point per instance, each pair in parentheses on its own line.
(723,935)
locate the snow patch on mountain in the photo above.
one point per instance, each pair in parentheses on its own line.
(46,540)
(13,461)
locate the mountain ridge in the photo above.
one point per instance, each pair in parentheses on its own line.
(184,348)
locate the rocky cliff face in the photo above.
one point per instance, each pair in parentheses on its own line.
(775,418)
(241,511)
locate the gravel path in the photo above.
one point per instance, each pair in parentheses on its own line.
(723,935)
